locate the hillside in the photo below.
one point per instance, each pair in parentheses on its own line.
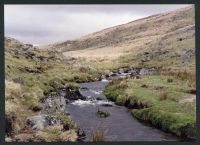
(115,41)
(31,76)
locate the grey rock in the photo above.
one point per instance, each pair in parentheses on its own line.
(84,88)
(145,71)
(185,59)
(54,102)
(107,105)
(78,66)
(145,57)
(42,58)
(186,54)
(29,54)
(19,80)
(42,121)
(73,95)
(103,77)
(155,53)
(99,98)
(134,72)
(159,52)
(112,74)
(69,58)
(37,122)
(121,70)
(8,139)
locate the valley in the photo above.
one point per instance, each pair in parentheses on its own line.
(137,80)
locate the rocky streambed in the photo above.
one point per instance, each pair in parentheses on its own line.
(116,123)
(51,117)
(90,109)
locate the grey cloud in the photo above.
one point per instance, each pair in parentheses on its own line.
(41,24)
(114,8)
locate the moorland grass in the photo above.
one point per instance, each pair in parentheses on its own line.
(23,96)
(157,102)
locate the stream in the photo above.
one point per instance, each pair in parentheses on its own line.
(119,126)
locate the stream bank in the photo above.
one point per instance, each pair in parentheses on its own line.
(82,105)
(119,125)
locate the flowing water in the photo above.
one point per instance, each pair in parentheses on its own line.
(119,126)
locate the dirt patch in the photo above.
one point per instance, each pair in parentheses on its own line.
(188,99)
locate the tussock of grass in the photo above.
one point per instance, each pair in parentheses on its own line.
(169,80)
(66,121)
(98,134)
(185,75)
(164,96)
(13,122)
(55,133)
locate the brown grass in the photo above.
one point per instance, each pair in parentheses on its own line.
(169,80)
(98,134)
(12,93)
(185,75)
(56,133)
(164,96)
(12,90)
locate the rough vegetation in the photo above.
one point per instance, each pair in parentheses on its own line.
(98,134)
(155,99)
(166,98)
(31,76)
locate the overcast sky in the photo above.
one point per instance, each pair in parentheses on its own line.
(42,24)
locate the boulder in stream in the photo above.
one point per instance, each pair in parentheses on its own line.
(102,114)
(73,95)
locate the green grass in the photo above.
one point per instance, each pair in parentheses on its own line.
(65,120)
(158,102)
(169,43)
(36,86)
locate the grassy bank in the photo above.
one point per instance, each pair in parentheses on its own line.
(30,76)
(163,100)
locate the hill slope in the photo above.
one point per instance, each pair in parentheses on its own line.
(115,41)
(31,76)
